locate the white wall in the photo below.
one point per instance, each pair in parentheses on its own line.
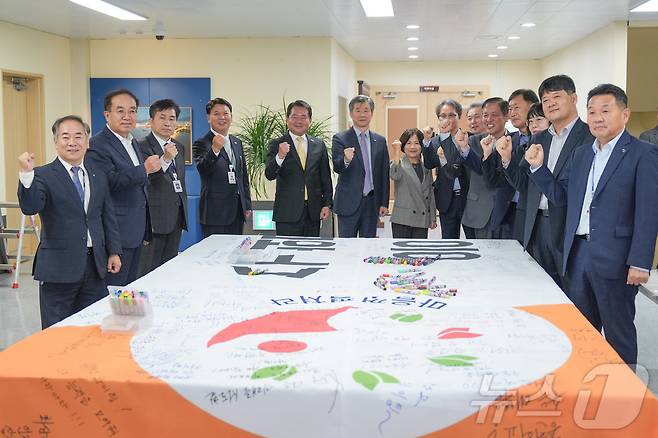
(343,79)
(502,77)
(29,51)
(598,58)
(246,71)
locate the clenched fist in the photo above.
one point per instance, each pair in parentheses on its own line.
(170,151)
(504,148)
(218,143)
(284,148)
(535,156)
(26,161)
(487,144)
(349,154)
(461,138)
(152,164)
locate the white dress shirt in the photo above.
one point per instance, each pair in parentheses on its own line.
(127,143)
(557,144)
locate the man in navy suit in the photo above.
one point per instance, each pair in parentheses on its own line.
(225,200)
(452,180)
(611,194)
(543,225)
(361,161)
(116,152)
(79,237)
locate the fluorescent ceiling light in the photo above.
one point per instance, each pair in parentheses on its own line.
(650,6)
(493,55)
(412,39)
(377,8)
(109,9)
(514,37)
(528,25)
(501,47)
(412,49)
(413,56)
(413,26)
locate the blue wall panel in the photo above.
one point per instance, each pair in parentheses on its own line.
(193,92)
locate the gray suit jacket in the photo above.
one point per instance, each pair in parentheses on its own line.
(164,202)
(651,136)
(481,195)
(414,202)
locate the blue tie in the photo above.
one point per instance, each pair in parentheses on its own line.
(365,153)
(76,183)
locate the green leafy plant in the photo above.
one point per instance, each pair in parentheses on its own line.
(258,128)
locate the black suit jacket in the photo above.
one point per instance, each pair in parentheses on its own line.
(164,202)
(446,174)
(62,253)
(291,179)
(127,185)
(349,188)
(218,204)
(517,173)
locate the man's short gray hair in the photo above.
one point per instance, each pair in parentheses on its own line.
(362,99)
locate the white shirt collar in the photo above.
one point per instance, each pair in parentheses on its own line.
(608,146)
(565,131)
(217,133)
(121,139)
(69,166)
(160,140)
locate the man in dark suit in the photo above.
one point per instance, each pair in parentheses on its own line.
(166,190)
(611,195)
(116,152)
(452,181)
(225,200)
(486,203)
(79,238)
(300,165)
(543,227)
(520,102)
(361,161)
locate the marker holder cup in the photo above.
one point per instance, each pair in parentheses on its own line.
(131,310)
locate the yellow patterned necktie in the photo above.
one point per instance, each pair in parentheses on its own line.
(302,158)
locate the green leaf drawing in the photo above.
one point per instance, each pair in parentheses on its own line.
(266,373)
(396,316)
(411,318)
(292,371)
(386,378)
(367,380)
(454,360)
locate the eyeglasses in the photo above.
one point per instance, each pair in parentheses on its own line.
(447,116)
(132,112)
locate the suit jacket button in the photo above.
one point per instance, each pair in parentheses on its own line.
(423,213)
(414,212)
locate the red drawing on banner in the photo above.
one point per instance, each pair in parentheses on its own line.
(457,333)
(282,346)
(294,321)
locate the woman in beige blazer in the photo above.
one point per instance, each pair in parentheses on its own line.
(414,210)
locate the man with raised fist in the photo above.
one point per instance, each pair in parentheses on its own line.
(80,240)
(117,153)
(610,192)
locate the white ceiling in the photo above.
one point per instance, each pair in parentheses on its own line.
(450,29)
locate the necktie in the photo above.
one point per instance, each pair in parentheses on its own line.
(302,158)
(301,152)
(229,151)
(365,153)
(76,182)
